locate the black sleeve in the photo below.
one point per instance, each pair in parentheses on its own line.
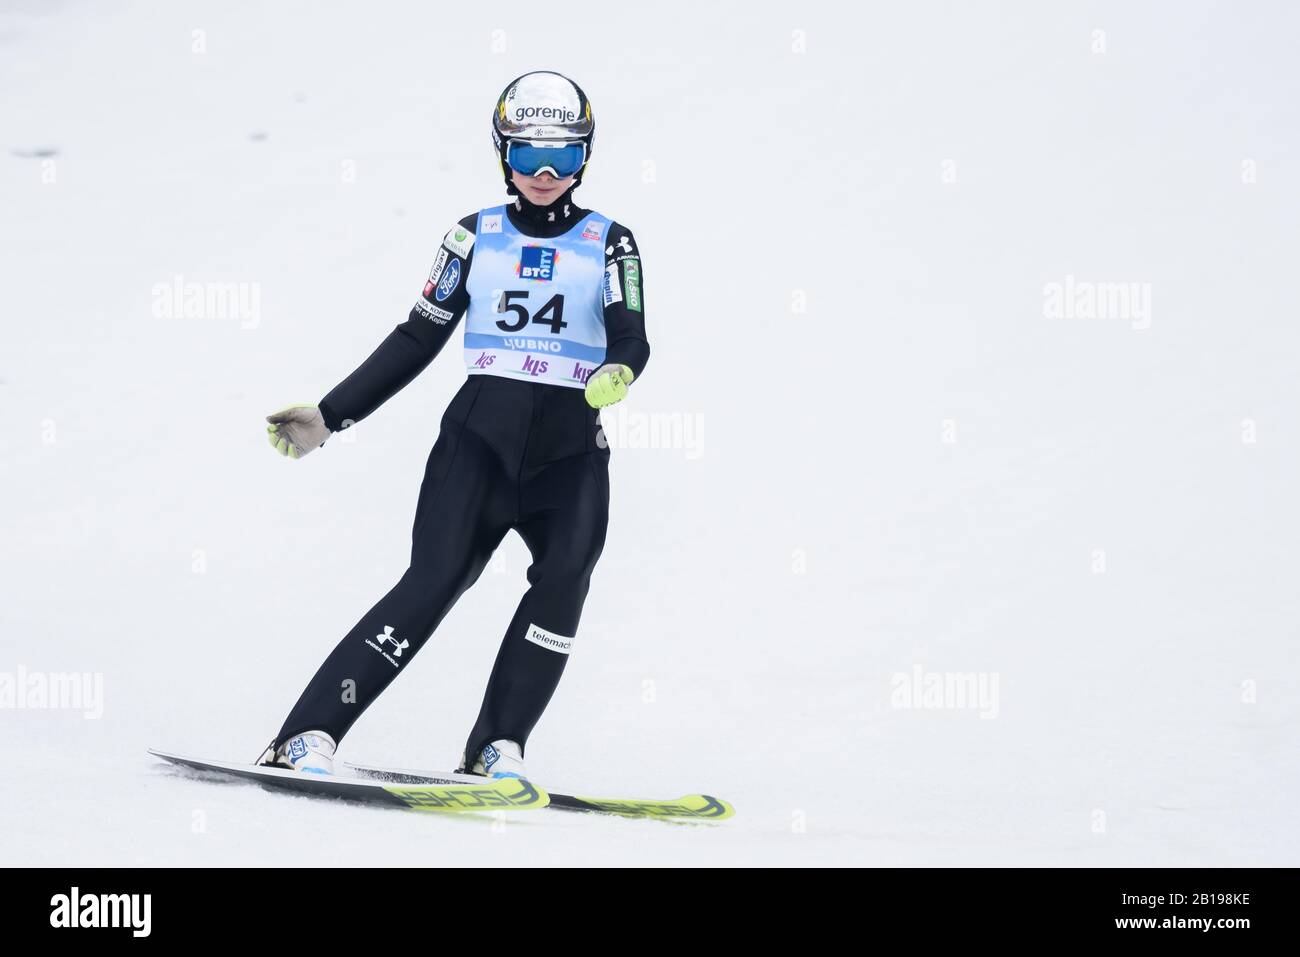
(625,301)
(412,345)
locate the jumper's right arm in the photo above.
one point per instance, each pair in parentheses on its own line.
(411,346)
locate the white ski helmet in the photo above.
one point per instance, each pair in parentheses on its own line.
(543,121)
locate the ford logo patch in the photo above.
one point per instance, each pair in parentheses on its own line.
(449,281)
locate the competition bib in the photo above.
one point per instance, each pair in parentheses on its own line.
(537,306)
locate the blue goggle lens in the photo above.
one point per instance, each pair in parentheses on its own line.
(564,160)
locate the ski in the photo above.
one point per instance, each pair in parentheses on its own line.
(689,807)
(480,794)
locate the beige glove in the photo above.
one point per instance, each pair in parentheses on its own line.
(297,430)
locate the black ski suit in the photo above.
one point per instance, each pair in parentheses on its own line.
(511,454)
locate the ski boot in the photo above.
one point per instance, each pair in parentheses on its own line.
(500,759)
(311,752)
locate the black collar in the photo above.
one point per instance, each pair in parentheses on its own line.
(545,221)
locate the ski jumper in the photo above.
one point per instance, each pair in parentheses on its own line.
(547,296)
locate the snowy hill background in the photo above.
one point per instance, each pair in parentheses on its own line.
(899,459)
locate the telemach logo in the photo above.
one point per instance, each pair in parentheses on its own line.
(548,639)
(102,910)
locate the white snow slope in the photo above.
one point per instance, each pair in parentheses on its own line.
(900,461)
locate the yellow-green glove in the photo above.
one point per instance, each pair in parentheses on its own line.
(297,430)
(608,384)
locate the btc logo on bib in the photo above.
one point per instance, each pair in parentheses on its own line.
(537,262)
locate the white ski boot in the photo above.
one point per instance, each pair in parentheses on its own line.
(500,759)
(311,752)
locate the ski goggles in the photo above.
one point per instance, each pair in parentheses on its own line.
(562,159)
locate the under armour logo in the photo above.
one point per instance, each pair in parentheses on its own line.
(388,636)
(622,244)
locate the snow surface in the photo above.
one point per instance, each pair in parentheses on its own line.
(920,469)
